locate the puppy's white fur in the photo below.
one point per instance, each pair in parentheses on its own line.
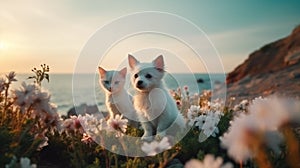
(155,106)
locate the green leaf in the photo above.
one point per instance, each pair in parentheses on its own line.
(47,77)
(41,78)
(31,77)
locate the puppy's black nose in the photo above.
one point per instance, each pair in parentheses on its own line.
(139,83)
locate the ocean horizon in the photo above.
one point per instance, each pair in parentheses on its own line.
(61,88)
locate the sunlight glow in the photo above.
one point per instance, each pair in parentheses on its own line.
(2,45)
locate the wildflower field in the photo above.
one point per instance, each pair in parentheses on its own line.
(263,132)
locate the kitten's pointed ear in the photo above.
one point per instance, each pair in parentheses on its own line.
(123,72)
(159,62)
(102,72)
(132,61)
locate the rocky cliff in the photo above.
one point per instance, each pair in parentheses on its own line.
(274,68)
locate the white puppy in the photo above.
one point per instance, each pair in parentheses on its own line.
(155,106)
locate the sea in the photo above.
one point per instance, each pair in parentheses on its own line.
(69,90)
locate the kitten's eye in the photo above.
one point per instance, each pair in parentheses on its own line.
(117,82)
(136,75)
(149,76)
(106,82)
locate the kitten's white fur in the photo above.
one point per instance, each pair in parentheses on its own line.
(156,108)
(117,100)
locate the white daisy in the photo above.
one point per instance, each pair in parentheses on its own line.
(192,113)
(71,124)
(117,123)
(92,124)
(209,162)
(155,147)
(209,128)
(199,121)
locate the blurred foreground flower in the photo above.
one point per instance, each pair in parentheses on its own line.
(24,163)
(236,139)
(209,162)
(273,112)
(155,147)
(33,97)
(250,133)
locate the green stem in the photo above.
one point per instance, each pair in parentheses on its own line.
(104,151)
(116,160)
(5,100)
(292,147)
(124,147)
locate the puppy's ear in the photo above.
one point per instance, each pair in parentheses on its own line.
(102,72)
(132,61)
(159,63)
(123,72)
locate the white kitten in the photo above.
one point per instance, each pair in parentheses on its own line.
(117,99)
(156,108)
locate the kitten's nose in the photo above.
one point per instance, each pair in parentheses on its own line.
(139,83)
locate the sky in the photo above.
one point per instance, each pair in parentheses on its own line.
(55,32)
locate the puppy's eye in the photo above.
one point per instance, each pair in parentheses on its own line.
(148,76)
(106,82)
(136,75)
(117,82)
